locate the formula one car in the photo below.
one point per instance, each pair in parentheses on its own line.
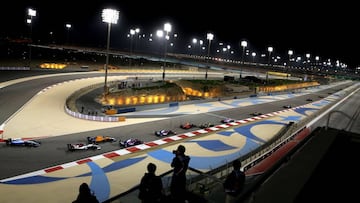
(22,142)
(130,142)
(163,132)
(227,120)
(82,146)
(100,138)
(256,113)
(187,125)
(206,125)
(287,106)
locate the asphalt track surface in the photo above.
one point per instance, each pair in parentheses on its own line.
(109,175)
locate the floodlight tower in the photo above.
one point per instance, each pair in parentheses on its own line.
(167,29)
(270,50)
(31,13)
(109,16)
(244,45)
(68,27)
(209,37)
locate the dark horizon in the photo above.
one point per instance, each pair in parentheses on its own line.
(321,30)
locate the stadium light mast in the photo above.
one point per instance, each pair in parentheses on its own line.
(68,27)
(253,54)
(290,53)
(244,45)
(109,16)
(31,13)
(270,50)
(167,29)
(209,37)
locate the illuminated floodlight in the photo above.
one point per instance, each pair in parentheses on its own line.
(167,27)
(110,16)
(31,12)
(210,36)
(159,33)
(244,43)
(132,32)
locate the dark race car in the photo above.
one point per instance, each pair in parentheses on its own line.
(130,142)
(22,142)
(206,125)
(187,125)
(82,146)
(256,113)
(161,133)
(100,138)
(287,106)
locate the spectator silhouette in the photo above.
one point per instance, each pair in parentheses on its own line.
(234,182)
(85,195)
(180,163)
(151,187)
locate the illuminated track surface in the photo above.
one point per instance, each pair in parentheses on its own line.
(108,174)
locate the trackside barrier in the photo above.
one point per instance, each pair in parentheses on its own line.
(15,68)
(126,110)
(119,111)
(173,104)
(94,118)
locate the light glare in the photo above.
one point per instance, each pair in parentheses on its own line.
(110,16)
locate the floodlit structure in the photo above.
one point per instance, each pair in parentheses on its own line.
(109,16)
(253,54)
(209,37)
(132,33)
(270,50)
(167,29)
(31,13)
(290,53)
(244,45)
(68,27)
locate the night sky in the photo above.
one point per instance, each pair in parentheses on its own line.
(328,30)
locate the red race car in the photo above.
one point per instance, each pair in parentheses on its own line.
(187,125)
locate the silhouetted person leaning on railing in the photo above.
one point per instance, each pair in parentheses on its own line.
(234,182)
(85,195)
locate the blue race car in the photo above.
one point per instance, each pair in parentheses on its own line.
(164,132)
(22,142)
(130,142)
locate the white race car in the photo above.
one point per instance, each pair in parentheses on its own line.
(82,146)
